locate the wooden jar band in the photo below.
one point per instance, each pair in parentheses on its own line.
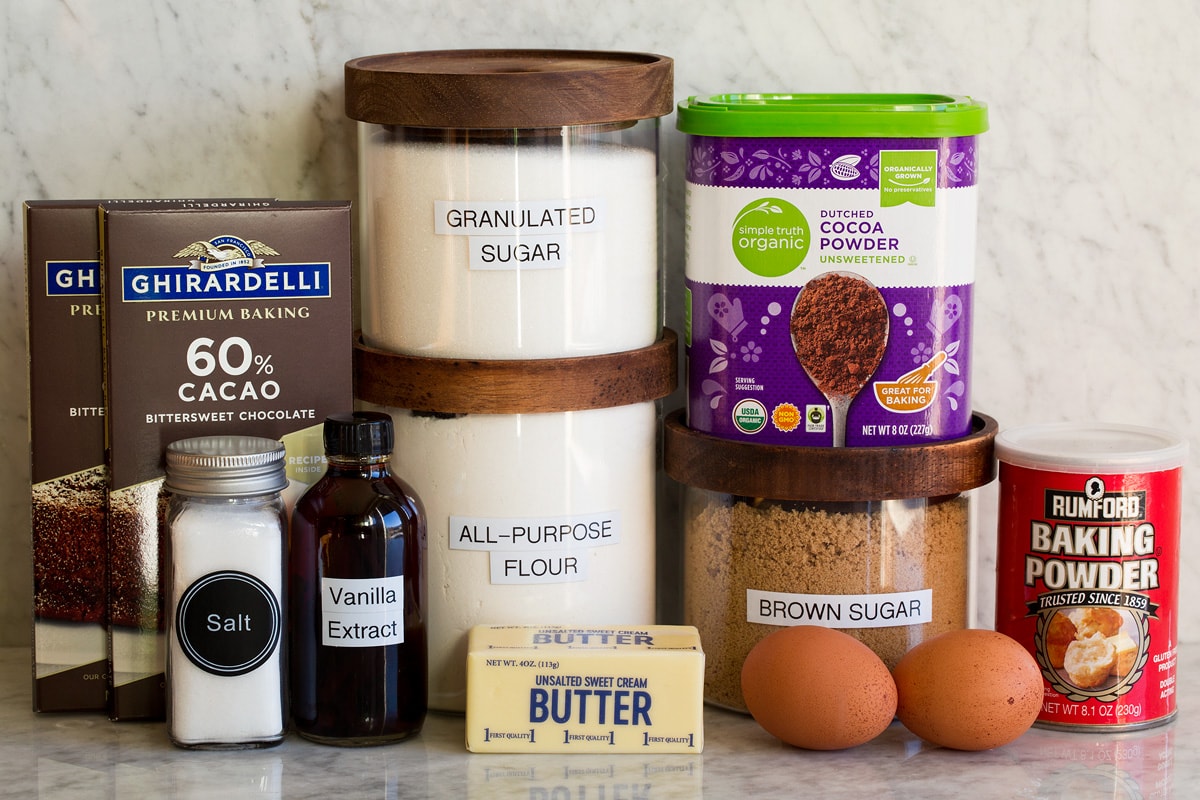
(523,386)
(830,474)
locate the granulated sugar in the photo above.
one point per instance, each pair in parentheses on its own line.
(573,238)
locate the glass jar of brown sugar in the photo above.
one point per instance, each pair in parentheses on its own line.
(873,541)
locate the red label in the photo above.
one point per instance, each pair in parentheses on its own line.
(1087,580)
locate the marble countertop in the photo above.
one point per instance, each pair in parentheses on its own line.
(65,756)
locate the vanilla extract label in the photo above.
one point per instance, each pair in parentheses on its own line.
(362,612)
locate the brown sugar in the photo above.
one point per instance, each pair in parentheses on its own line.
(737,543)
(839,328)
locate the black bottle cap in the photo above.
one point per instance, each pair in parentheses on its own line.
(358,433)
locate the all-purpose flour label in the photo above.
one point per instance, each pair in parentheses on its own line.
(536,550)
(829,287)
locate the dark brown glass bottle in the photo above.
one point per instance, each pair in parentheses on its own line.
(356,553)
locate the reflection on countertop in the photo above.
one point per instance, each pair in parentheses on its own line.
(64,756)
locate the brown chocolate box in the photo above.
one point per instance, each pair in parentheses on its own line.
(66,429)
(217,320)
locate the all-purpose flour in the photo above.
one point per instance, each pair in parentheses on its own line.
(532,517)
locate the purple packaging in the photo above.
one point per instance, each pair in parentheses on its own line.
(830,267)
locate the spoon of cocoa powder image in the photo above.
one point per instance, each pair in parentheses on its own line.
(839,327)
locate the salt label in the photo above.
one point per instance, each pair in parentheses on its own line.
(229,623)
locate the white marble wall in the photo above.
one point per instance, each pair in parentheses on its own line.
(1088,287)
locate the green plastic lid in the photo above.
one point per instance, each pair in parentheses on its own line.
(897,116)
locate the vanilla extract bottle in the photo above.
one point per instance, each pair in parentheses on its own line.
(356,573)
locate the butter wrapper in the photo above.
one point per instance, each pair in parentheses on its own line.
(562,689)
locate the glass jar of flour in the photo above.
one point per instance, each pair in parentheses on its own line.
(510,200)
(512,327)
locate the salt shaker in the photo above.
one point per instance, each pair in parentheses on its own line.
(356,551)
(226,530)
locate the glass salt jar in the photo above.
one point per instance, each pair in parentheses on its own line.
(226,524)
(874,541)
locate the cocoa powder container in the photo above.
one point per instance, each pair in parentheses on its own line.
(830,266)
(875,542)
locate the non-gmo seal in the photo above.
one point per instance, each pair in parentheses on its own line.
(228,623)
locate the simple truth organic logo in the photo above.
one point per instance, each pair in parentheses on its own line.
(770,237)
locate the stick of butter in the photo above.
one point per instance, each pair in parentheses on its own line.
(562,689)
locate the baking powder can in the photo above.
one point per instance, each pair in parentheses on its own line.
(1088,568)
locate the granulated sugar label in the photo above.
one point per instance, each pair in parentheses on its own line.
(830,267)
(1088,571)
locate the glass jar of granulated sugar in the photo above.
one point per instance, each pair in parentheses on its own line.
(830,266)
(510,201)
(872,541)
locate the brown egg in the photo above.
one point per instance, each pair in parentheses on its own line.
(818,688)
(968,690)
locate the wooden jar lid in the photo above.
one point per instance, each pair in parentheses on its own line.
(831,474)
(524,386)
(508,88)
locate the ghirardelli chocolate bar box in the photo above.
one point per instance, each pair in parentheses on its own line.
(216,321)
(66,431)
